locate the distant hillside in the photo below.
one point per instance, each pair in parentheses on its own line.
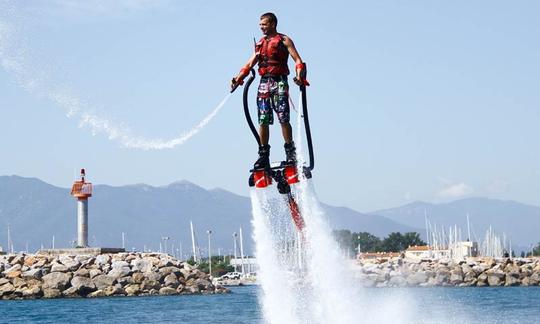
(36,211)
(518,221)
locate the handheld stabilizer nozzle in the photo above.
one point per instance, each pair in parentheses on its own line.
(301,79)
(234,85)
(239,80)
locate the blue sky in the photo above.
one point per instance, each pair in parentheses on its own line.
(423,100)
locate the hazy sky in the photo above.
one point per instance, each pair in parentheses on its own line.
(410,100)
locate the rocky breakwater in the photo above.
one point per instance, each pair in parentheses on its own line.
(26,276)
(476,272)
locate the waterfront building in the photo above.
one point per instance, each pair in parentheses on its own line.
(456,251)
(249,264)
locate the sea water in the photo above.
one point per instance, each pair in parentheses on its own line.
(459,305)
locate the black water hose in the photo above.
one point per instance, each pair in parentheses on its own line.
(306,126)
(246,108)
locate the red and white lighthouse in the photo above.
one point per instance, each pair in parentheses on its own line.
(82,190)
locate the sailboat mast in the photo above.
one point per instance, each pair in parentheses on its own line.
(193,242)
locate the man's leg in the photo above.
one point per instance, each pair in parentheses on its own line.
(286,130)
(265,119)
(264,134)
(283,112)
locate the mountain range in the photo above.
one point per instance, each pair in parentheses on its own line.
(518,222)
(36,211)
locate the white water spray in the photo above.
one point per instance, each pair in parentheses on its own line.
(320,288)
(13,60)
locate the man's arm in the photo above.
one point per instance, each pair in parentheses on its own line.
(244,71)
(299,65)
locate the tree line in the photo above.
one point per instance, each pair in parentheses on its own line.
(367,242)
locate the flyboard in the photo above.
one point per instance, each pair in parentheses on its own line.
(284,174)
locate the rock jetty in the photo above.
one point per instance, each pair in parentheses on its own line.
(31,276)
(478,272)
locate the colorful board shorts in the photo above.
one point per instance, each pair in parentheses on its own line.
(273,95)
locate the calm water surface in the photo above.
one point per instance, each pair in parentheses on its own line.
(456,305)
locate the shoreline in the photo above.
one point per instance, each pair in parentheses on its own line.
(472,272)
(35,276)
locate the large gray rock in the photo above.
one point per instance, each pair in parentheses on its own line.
(13,268)
(119,264)
(18,259)
(188,274)
(97,293)
(102,259)
(478,269)
(207,285)
(171,280)
(71,292)
(495,278)
(123,281)
(465,268)
(6,289)
(94,272)
(441,277)
(165,263)
(511,280)
(148,285)
(56,280)
(470,276)
(82,272)
(119,272)
(35,273)
(18,282)
(417,278)
(132,290)
(70,263)
(103,281)
(142,265)
(58,267)
(482,280)
(84,285)
(456,277)
(32,292)
(167,291)
(534,279)
(51,293)
(137,277)
(84,259)
(114,290)
(167,270)
(154,276)
(396,281)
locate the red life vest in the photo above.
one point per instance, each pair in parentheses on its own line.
(273,55)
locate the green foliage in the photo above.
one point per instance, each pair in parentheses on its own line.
(394,242)
(220,266)
(344,238)
(368,242)
(536,250)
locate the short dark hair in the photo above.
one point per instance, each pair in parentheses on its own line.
(271,17)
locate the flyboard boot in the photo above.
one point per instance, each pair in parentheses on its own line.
(290,153)
(263,162)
